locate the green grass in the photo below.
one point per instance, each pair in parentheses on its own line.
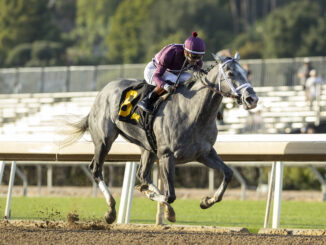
(249,214)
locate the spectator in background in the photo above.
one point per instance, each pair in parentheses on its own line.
(303,72)
(313,87)
(308,129)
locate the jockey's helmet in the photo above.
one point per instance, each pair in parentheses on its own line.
(194,47)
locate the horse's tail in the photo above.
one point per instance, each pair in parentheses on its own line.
(74,131)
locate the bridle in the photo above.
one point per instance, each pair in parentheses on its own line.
(235,91)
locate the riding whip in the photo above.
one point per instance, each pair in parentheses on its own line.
(177,81)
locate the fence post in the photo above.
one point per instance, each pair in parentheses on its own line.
(278,194)
(262,73)
(67,79)
(94,79)
(211,179)
(160,206)
(17,85)
(10,187)
(49,176)
(269,195)
(131,191)
(89,175)
(42,81)
(127,193)
(242,182)
(321,180)
(2,167)
(39,179)
(155,174)
(24,179)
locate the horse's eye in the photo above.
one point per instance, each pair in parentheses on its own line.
(230,74)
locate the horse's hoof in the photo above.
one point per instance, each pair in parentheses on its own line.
(169,213)
(204,203)
(110,216)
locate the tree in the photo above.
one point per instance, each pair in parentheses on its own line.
(286,30)
(314,43)
(124,40)
(179,18)
(140,30)
(64,14)
(19,55)
(92,26)
(24,22)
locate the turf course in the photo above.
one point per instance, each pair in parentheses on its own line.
(249,214)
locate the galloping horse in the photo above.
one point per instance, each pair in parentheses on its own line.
(184,126)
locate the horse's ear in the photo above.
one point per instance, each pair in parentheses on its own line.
(237,56)
(217,58)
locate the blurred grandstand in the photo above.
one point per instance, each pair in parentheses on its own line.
(280,110)
(31,98)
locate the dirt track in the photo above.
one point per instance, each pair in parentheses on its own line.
(30,232)
(100,233)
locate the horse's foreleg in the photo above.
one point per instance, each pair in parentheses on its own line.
(151,190)
(144,175)
(167,172)
(212,160)
(167,168)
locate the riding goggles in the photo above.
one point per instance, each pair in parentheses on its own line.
(194,56)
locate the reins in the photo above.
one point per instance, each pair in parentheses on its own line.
(219,92)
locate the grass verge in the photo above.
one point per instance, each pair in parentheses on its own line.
(249,214)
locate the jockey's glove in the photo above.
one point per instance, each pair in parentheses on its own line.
(169,88)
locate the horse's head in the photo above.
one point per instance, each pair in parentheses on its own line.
(231,80)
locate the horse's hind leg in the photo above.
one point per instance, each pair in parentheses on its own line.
(212,160)
(101,149)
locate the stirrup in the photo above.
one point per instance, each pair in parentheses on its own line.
(144,105)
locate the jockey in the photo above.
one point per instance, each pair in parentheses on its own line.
(172,61)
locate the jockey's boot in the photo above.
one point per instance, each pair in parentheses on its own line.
(147,104)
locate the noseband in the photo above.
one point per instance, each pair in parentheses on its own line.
(221,72)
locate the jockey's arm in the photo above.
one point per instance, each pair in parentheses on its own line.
(162,64)
(158,75)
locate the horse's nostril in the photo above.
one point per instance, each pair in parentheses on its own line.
(250,100)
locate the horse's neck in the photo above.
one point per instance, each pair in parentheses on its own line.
(204,103)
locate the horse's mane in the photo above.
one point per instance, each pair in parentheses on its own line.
(199,74)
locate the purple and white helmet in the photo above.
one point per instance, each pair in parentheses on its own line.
(194,44)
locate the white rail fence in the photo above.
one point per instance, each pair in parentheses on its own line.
(236,150)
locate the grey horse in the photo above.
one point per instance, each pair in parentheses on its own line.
(184,126)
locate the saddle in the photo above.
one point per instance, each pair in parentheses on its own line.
(130,113)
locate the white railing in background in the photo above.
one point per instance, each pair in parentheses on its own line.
(305,150)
